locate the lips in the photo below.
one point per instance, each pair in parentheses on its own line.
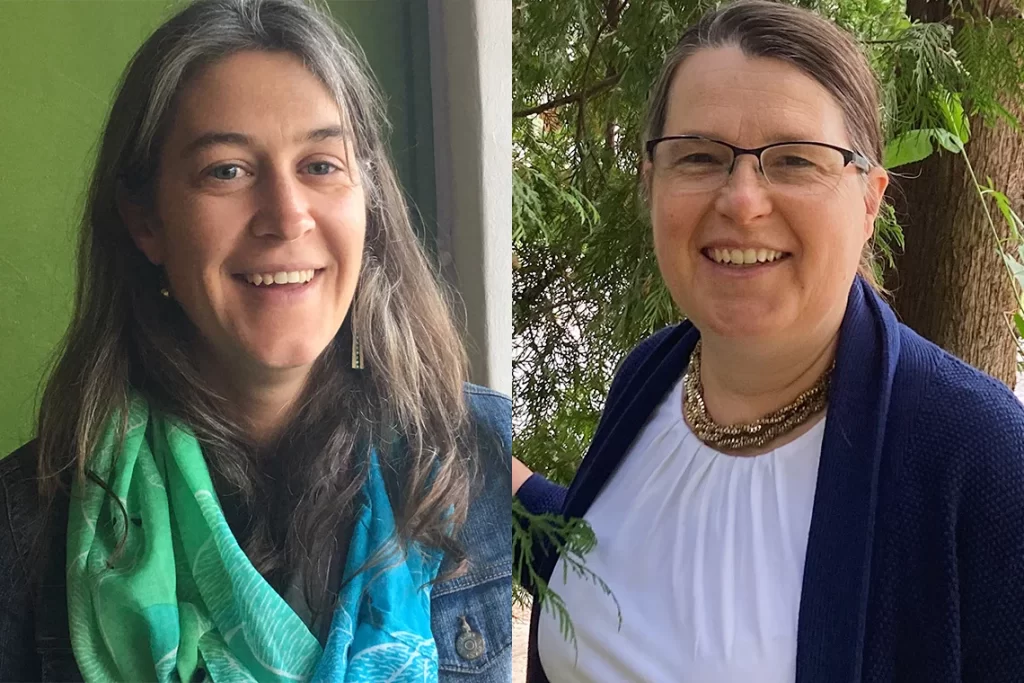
(287,294)
(278,273)
(280,277)
(748,256)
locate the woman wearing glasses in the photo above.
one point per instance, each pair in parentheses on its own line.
(791,485)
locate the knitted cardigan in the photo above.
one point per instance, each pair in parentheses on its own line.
(915,558)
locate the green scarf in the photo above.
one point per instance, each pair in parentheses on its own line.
(183,594)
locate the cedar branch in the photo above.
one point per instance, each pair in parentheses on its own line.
(600,86)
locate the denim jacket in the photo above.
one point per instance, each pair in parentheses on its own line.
(34,640)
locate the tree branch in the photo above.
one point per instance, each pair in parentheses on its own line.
(530,296)
(600,86)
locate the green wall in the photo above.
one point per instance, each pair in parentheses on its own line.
(59,64)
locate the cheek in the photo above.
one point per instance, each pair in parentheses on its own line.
(847,235)
(674,220)
(345,235)
(351,218)
(201,236)
(204,240)
(830,237)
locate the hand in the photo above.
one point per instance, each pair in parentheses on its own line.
(520,473)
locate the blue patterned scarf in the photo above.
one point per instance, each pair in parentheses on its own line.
(184,596)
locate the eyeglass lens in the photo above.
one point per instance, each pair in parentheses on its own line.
(696,164)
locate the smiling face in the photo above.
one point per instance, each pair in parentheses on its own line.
(257,176)
(750,102)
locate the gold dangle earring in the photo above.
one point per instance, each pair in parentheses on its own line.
(165,291)
(357,351)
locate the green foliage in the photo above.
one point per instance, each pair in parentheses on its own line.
(887,240)
(992,51)
(917,145)
(912,146)
(924,68)
(586,286)
(1013,258)
(572,539)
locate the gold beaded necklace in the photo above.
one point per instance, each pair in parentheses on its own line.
(754,434)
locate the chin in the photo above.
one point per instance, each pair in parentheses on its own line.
(741,319)
(289,355)
(762,327)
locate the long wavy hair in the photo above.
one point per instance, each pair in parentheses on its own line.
(289,498)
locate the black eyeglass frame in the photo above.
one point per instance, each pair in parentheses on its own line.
(849,156)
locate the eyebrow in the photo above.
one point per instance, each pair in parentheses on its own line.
(213,138)
(778,136)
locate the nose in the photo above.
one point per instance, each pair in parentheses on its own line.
(284,208)
(745,195)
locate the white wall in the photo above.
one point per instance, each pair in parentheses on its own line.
(471,80)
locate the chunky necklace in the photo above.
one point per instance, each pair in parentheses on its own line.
(759,432)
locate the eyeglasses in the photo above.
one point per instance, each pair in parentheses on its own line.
(691,163)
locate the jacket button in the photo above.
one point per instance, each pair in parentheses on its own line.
(470,644)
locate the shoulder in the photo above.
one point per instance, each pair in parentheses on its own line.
(19,464)
(960,401)
(487,532)
(19,495)
(483,595)
(21,523)
(968,424)
(967,455)
(491,414)
(653,346)
(646,354)
(19,527)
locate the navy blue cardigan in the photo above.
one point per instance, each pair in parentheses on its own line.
(915,559)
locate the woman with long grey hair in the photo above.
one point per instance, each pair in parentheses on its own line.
(257,457)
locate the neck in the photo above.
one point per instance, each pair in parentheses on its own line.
(264,400)
(744,381)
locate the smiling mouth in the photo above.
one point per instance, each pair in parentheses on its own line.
(279,279)
(744,258)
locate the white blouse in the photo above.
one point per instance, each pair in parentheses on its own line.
(704,553)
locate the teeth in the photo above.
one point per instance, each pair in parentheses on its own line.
(744,256)
(281,278)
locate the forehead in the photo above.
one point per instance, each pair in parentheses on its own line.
(258,93)
(750,101)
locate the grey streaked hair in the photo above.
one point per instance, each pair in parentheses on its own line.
(801,38)
(125,336)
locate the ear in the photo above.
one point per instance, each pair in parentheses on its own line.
(876,181)
(645,179)
(141,226)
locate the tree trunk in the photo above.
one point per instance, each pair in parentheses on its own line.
(950,285)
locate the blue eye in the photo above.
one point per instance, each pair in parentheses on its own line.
(324,167)
(217,172)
